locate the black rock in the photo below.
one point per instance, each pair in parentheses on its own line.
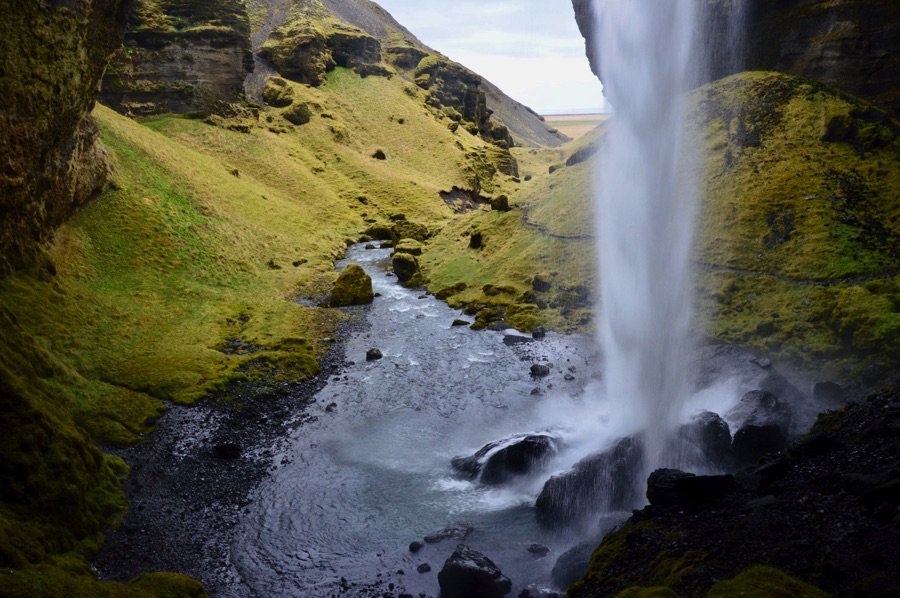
(572,564)
(373,355)
(227,450)
(456,530)
(605,481)
(423,568)
(709,437)
(538,550)
(568,377)
(830,394)
(517,459)
(475,241)
(671,487)
(470,574)
(459,323)
(752,442)
(538,333)
(415,547)
(539,370)
(762,408)
(331,408)
(514,339)
(873,374)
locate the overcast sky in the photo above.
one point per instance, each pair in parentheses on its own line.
(531,49)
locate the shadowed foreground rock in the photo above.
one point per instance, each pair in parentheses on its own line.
(470,574)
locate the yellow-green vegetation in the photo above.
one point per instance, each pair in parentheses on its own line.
(764,582)
(353,287)
(182,279)
(797,241)
(641,592)
(801,228)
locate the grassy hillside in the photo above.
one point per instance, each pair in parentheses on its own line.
(188,275)
(797,246)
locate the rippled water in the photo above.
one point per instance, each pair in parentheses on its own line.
(373,474)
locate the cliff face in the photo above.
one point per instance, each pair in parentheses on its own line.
(52,55)
(852,45)
(180,57)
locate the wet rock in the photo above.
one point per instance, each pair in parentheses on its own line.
(227,450)
(538,550)
(331,408)
(568,377)
(605,481)
(873,374)
(538,333)
(709,435)
(830,394)
(762,408)
(423,568)
(572,564)
(517,459)
(536,592)
(762,362)
(500,203)
(470,574)
(373,355)
(415,547)
(457,323)
(752,442)
(353,287)
(459,531)
(514,339)
(539,370)
(671,487)
(476,241)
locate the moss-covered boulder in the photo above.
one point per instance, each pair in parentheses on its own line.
(410,246)
(277,92)
(406,229)
(353,287)
(406,267)
(298,114)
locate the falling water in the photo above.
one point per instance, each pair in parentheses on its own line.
(645,219)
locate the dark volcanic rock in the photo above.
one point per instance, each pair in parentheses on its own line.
(752,442)
(373,354)
(470,574)
(572,564)
(709,435)
(824,510)
(539,370)
(606,481)
(762,408)
(459,531)
(227,450)
(519,458)
(669,487)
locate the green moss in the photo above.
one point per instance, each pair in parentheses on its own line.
(657,592)
(353,287)
(764,582)
(73,578)
(277,92)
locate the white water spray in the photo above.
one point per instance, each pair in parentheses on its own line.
(645,219)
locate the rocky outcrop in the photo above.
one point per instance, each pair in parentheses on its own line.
(180,57)
(52,55)
(825,511)
(854,46)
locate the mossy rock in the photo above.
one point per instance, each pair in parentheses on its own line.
(353,287)
(278,92)
(406,267)
(410,246)
(406,229)
(448,292)
(524,316)
(764,582)
(298,114)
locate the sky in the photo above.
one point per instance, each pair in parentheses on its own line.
(531,49)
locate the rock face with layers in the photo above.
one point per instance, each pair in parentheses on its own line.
(854,46)
(180,56)
(52,55)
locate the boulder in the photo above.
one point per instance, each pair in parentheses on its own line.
(572,564)
(373,355)
(277,92)
(830,394)
(406,267)
(762,408)
(475,240)
(604,481)
(470,574)
(539,370)
(672,487)
(752,442)
(353,287)
(541,283)
(298,114)
(517,459)
(410,246)
(459,531)
(500,203)
(404,229)
(710,438)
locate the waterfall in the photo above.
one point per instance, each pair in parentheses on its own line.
(645,193)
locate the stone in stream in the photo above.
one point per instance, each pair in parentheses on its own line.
(539,370)
(423,568)
(457,323)
(460,531)
(710,438)
(353,287)
(373,355)
(572,564)
(503,460)
(672,487)
(470,574)
(415,546)
(762,408)
(604,481)
(538,550)
(538,333)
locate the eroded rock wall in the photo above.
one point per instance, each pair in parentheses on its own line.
(52,55)
(180,56)
(852,45)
